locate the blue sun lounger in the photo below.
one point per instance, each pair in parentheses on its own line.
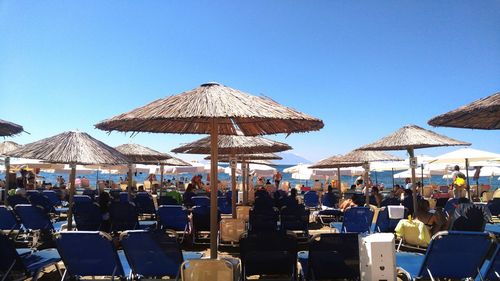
(356,220)
(154,254)
(26,262)
(8,221)
(453,254)
(34,218)
(90,253)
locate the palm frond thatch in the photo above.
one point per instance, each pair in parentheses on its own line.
(260,156)
(70,148)
(234,145)
(9,129)
(191,112)
(412,136)
(139,154)
(174,161)
(481,114)
(8,146)
(354,158)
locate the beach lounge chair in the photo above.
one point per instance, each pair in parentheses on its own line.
(174,217)
(15,200)
(453,255)
(311,199)
(39,199)
(124,216)
(16,266)
(87,216)
(230,231)
(53,197)
(224,205)
(144,204)
(356,219)
(269,253)
(35,219)
(153,254)
(450,206)
(243,212)
(295,219)
(90,253)
(331,256)
(412,234)
(201,224)
(388,218)
(82,198)
(263,218)
(494,206)
(208,270)
(8,221)
(90,193)
(492,268)
(201,200)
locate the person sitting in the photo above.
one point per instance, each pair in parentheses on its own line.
(85,182)
(408,201)
(329,199)
(188,195)
(435,222)
(375,197)
(390,200)
(291,200)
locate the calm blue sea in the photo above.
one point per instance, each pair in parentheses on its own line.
(380,177)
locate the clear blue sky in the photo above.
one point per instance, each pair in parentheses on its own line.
(365,67)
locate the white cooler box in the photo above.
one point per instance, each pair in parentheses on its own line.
(377,257)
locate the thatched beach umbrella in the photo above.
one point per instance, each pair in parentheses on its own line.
(6,147)
(481,114)
(353,159)
(138,154)
(217,110)
(249,157)
(8,129)
(232,146)
(173,161)
(71,148)
(409,138)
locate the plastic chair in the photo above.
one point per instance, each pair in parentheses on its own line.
(174,217)
(357,220)
(87,216)
(152,254)
(332,256)
(230,231)
(90,253)
(201,200)
(453,255)
(311,199)
(207,270)
(269,253)
(30,264)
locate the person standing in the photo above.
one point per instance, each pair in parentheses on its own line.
(459,183)
(277,179)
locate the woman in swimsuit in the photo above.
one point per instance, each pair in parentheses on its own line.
(434,221)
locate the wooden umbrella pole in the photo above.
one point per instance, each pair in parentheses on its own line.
(366,166)
(72,190)
(393,182)
(214,147)
(130,181)
(243,181)
(162,169)
(467,176)
(247,180)
(234,191)
(339,184)
(7,176)
(411,152)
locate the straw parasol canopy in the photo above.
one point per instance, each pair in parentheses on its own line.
(71,148)
(353,159)
(248,157)
(481,114)
(8,129)
(174,161)
(8,146)
(409,138)
(139,154)
(213,109)
(190,113)
(234,145)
